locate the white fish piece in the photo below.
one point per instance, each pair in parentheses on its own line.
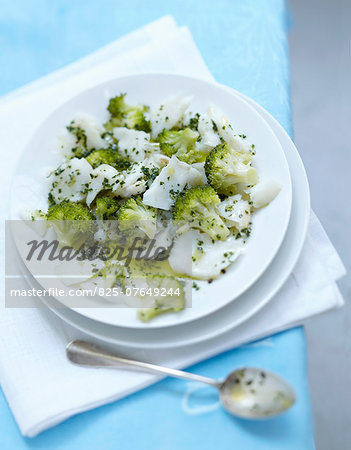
(169,114)
(166,232)
(200,166)
(124,184)
(156,160)
(209,138)
(36,220)
(70,182)
(153,147)
(187,116)
(225,130)
(236,211)
(131,182)
(132,143)
(264,192)
(172,179)
(92,130)
(207,259)
(66,141)
(103,177)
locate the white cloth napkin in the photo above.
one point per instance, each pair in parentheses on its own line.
(42,388)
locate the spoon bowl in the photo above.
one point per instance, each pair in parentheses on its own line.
(255,394)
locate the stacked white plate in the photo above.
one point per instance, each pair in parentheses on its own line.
(272,251)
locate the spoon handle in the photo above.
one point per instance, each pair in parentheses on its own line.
(86,354)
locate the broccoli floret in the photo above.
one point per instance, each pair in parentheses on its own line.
(181,144)
(197,208)
(106,208)
(67,210)
(225,167)
(144,217)
(72,222)
(174,302)
(124,115)
(108,156)
(81,148)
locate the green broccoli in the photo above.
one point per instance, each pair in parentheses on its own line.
(181,144)
(225,167)
(81,148)
(173,302)
(143,217)
(123,115)
(108,156)
(106,208)
(72,222)
(197,207)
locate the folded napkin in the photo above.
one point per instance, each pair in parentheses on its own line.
(42,388)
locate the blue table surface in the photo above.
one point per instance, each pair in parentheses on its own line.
(244,43)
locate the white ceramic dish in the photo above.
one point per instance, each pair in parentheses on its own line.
(235,313)
(269,224)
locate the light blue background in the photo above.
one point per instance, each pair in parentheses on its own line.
(244,44)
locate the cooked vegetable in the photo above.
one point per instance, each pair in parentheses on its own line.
(140,215)
(181,144)
(107,156)
(124,115)
(106,208)
(197,208)
(174,302)
(225,167)
(72,222)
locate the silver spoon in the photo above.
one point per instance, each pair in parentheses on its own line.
(247,392)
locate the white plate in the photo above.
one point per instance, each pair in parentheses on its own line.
(236,313)
(269,224)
